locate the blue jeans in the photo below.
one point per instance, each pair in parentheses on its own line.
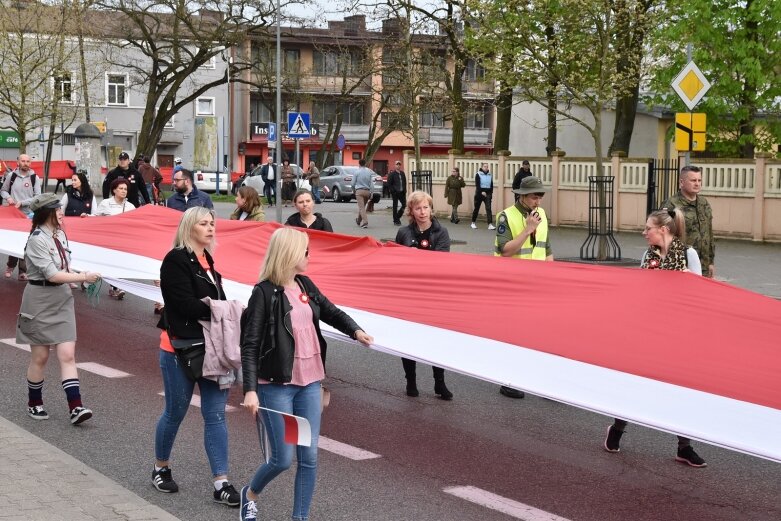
(317,194)
(301,401)
(178,392)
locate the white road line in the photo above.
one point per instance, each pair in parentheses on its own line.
(12,342)
(502,504)
(102,370)
(195,401)
(342,449)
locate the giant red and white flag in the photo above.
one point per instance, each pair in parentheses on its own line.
(680,353)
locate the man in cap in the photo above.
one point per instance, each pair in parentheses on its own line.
(522,233)
(177,164)
(698,215)
(136,184)
(397,184)
(524,172)
(19,189)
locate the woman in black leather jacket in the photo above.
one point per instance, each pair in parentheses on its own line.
(283,358)
(187,275)
(425,233)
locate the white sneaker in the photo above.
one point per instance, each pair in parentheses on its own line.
(491,227)
(474,226)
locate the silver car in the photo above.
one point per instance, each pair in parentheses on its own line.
(336,183)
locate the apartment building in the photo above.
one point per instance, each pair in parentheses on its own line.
(344,68)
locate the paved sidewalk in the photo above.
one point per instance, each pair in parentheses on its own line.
(39,482)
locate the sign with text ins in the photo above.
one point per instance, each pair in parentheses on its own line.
(9,139)
(298,124)
(262,129)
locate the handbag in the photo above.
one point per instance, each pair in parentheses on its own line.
(190,353)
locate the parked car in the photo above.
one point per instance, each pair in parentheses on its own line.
(254,179)
(207,181)
(336,182)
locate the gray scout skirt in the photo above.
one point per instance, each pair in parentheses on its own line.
(47,316)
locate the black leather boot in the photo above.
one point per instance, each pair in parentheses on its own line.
(439,384)
(412,387)
(409,374)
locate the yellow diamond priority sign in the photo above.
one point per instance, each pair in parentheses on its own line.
(691,85)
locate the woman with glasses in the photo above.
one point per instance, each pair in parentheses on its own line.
(665,231)
(425,233)
(282,330)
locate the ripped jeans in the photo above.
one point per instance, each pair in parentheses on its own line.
(178,392)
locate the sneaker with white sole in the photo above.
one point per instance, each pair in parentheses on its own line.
(37,412)
(163,481)
(687,455)
(613,439)
(491,227)
(249,508)
(474,226)
(227,495)
(80,415)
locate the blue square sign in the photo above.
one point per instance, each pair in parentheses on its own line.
(298,124)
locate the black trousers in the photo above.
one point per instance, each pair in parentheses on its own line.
(398,197)
(409,370)
(268,191)
(480,200)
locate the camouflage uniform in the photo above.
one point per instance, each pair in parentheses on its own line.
(699,226)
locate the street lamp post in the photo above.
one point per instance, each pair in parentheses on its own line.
(278,180)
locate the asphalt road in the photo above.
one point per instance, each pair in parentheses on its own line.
(524,454)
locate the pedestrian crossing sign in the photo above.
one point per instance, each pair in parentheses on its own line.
(298,124)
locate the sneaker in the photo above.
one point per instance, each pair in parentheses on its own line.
(365,225)
(163,481)
(227,495)
(491,227)
(510,392)
(612,439)
(22,276)
(9,272)
(80,415)
(249,508)
(474,226)
(691,458)
(37,412)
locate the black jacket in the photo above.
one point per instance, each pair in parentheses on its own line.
(267,346)
(78,203)
(321,223)
(184,283)
(264,172)
(135,186)
(397,182)
(436,238)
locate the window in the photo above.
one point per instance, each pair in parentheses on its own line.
(65,139)
(261,111)
(62,87)
(476,117)
(211,63)
(394,120)
(264,60)
(116,86)
(432,118)
(337,63)
(325,111)
(204,107)
(170,123)
(474,71)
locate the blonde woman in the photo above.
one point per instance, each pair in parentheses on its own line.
(283,330)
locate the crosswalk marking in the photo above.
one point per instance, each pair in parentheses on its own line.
(195,401)
(102,370)
(12,342)
(342,449)
(502,504)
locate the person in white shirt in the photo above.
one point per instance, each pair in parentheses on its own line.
(117,204)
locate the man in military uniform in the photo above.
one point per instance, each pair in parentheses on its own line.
(522,232)
(698,215)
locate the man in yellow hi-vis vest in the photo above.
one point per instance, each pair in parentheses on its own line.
(522,232)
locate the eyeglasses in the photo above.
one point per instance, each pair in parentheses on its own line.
(177,179)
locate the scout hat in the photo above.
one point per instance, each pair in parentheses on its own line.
(45,201)
(530,185)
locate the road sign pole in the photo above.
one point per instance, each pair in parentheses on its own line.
(687,156)
(298,162)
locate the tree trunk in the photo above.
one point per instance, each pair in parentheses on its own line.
(504,109)
(553,86)
(457,141)
(626,109)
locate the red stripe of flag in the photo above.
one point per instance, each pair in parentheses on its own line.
(291,429)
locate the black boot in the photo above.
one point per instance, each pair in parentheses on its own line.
(409,374)
(441,389)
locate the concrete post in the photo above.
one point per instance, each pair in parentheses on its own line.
(556,158)
(87,137)
(615,165)
(758,217)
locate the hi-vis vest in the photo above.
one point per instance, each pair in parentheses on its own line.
(517,223)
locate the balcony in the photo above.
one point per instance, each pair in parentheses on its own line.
(172,137)
(472,136)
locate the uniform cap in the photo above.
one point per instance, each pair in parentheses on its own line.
(45,201)
(530,185)
(124,155)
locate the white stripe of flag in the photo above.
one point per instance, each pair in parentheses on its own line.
(297,429)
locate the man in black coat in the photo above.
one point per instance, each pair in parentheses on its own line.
(136,184)
(520,175)
(397,184)
(268,173)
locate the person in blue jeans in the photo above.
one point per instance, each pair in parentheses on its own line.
(187,275)
(282,328)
